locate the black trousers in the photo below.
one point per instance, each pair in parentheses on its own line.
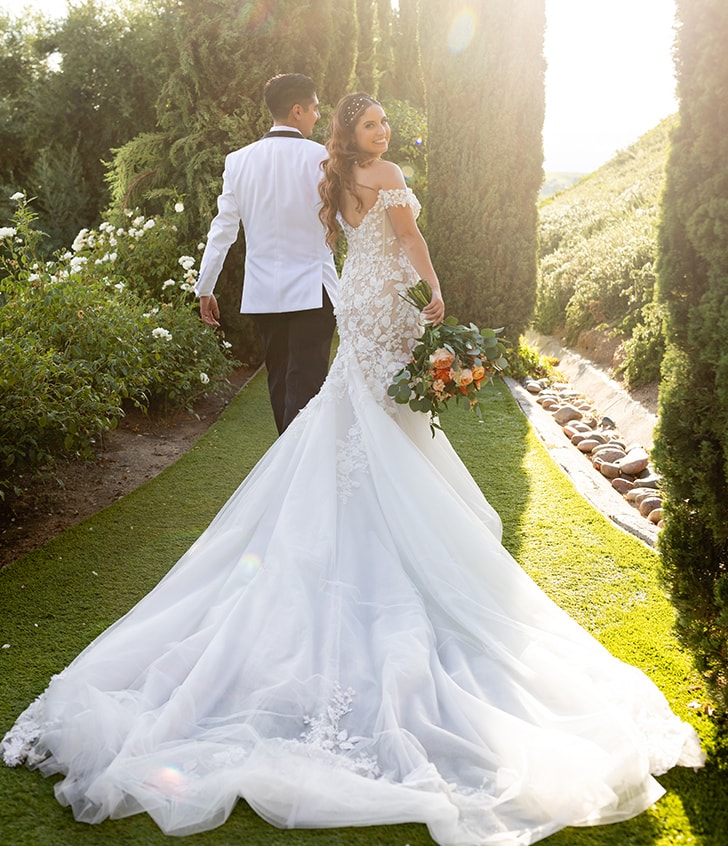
(297,347)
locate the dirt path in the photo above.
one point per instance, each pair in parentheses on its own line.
(139,449)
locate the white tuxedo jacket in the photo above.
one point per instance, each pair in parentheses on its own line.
(271,187)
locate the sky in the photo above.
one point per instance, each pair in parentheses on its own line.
(609,79)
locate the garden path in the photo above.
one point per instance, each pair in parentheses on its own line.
(136,451)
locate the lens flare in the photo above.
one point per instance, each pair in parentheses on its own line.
(250,563)
(407,171)
(419,141)
(462,30)
(169,780)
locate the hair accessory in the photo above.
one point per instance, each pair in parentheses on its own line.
(354,107)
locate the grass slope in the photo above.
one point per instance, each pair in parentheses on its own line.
(598,242)
(57,598)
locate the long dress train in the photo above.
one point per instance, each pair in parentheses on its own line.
(329,652)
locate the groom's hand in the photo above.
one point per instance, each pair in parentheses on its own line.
(209,312)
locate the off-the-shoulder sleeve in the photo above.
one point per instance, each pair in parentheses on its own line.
(397,197)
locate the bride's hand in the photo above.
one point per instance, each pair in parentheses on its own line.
(434,311)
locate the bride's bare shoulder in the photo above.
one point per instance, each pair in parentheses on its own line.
(388,175)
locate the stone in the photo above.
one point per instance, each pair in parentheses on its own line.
(622,485)
(655,516)
(609,470)
(587,444)
(608,423)
(647,479)
(634,462)
(648,504)
(577,437)
(599,436)
(532,386)
(566,414)
(546,396)
(605,452)
(636,495)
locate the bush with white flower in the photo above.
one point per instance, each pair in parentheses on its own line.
(107,323)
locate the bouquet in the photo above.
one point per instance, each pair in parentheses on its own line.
(450,361)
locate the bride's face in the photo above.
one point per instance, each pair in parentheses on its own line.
(372,132)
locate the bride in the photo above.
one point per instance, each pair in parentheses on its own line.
(325,650)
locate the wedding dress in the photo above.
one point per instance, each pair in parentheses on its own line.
(348,643)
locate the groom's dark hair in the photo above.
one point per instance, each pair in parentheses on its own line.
(284,91)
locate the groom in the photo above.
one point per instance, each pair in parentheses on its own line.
(271,186)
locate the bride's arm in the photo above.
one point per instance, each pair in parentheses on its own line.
(414,245)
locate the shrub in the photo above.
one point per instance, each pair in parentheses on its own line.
(644,350)
(598,248)
(524,361)
(79,340)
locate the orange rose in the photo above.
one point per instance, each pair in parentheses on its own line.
(466,377)
(441,359)
(478,374)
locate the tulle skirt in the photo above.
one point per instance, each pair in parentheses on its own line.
(349,643)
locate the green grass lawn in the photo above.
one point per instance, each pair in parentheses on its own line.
(56,599)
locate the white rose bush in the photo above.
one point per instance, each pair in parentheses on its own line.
(110,323)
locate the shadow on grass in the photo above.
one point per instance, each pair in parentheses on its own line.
(704,795)
(494,452)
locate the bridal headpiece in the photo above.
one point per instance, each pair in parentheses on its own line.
(355,106)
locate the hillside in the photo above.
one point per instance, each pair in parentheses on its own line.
(597,253)
(558,181)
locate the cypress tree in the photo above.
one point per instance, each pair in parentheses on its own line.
(691,444)
(484,79)
(339,74)
(404,81)
(366,78)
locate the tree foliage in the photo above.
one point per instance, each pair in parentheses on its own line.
(691,448)
(213,104)
(79,88)
(162,90)
(484,79)
(403,80)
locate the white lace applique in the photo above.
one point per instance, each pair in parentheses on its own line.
(377,327)
(351,458)
(399,197)
(18,745)
(326,735)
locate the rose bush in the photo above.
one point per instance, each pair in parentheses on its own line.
(99,326)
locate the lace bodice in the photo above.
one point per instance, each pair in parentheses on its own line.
(377,328)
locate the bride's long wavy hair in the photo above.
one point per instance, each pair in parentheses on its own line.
(343,155)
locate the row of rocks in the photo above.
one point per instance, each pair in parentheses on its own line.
(625,464)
